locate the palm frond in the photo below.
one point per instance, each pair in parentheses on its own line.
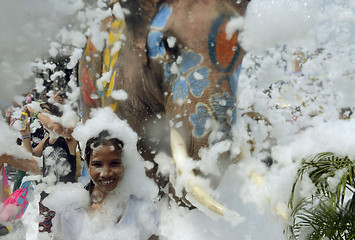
(320,168)
(325,213)
(323,220)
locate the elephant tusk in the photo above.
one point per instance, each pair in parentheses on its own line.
(180,156)
(205,199)
(178,148)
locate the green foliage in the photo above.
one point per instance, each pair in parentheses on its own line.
(325,214)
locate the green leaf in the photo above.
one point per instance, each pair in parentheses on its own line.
(324,214)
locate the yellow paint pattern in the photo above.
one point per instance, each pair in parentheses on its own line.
(114,59)
(116,23)
(106,60)
(110,58)
(114,106)
(112,83)
(111,38)
(87,48)
(120,27)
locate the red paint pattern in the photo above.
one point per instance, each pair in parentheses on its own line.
(91,46)
(225,49)
(87,88)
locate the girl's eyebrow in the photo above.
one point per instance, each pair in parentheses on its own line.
(113,160)
(117,159)
(96,160)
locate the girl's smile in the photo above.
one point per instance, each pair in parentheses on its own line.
(106,169)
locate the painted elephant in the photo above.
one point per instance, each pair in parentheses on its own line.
(176,61)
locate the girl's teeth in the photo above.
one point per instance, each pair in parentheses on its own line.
(107,182)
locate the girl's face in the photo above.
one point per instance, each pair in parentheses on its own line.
(106,169)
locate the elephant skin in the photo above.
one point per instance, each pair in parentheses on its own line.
(178,67)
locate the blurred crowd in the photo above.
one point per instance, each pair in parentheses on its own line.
(47,156)
(37,117)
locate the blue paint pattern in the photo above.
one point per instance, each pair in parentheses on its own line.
(221,105)
(161,17)
(189,60)
(199,120)
(239,70)
(197,86)
(180,90)
(167,73)
(155,44)
(234,116)
(98,91)
(233,81)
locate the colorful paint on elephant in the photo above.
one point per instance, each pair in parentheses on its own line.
(89,48)
(233,81)
(198,81)
(155,44)
(224,111)
(199,120)
(223,51)
(155,37)
(110,56)
(187,76)
(95,90)
(189,60)
(180,90)
(161,18)
(188,79)
(168,75)
(88,89)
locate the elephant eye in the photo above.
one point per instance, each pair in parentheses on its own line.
(171,46)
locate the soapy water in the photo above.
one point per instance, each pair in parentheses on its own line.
(298,74)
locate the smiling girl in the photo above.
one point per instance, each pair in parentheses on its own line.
(104,161)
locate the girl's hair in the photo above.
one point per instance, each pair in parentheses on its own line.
(102,140)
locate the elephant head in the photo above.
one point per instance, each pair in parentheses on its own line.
(176,60)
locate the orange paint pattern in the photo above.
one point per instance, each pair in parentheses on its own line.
(225,49)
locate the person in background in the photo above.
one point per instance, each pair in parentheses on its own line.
(58,151)
(10,119)
(8,113)
(35,138)
(59,97)
(38,135)
(28,165)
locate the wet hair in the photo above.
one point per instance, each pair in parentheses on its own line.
(53,109)
(63,95)
(103,139)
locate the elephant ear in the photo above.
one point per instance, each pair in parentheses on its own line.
(95,68)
